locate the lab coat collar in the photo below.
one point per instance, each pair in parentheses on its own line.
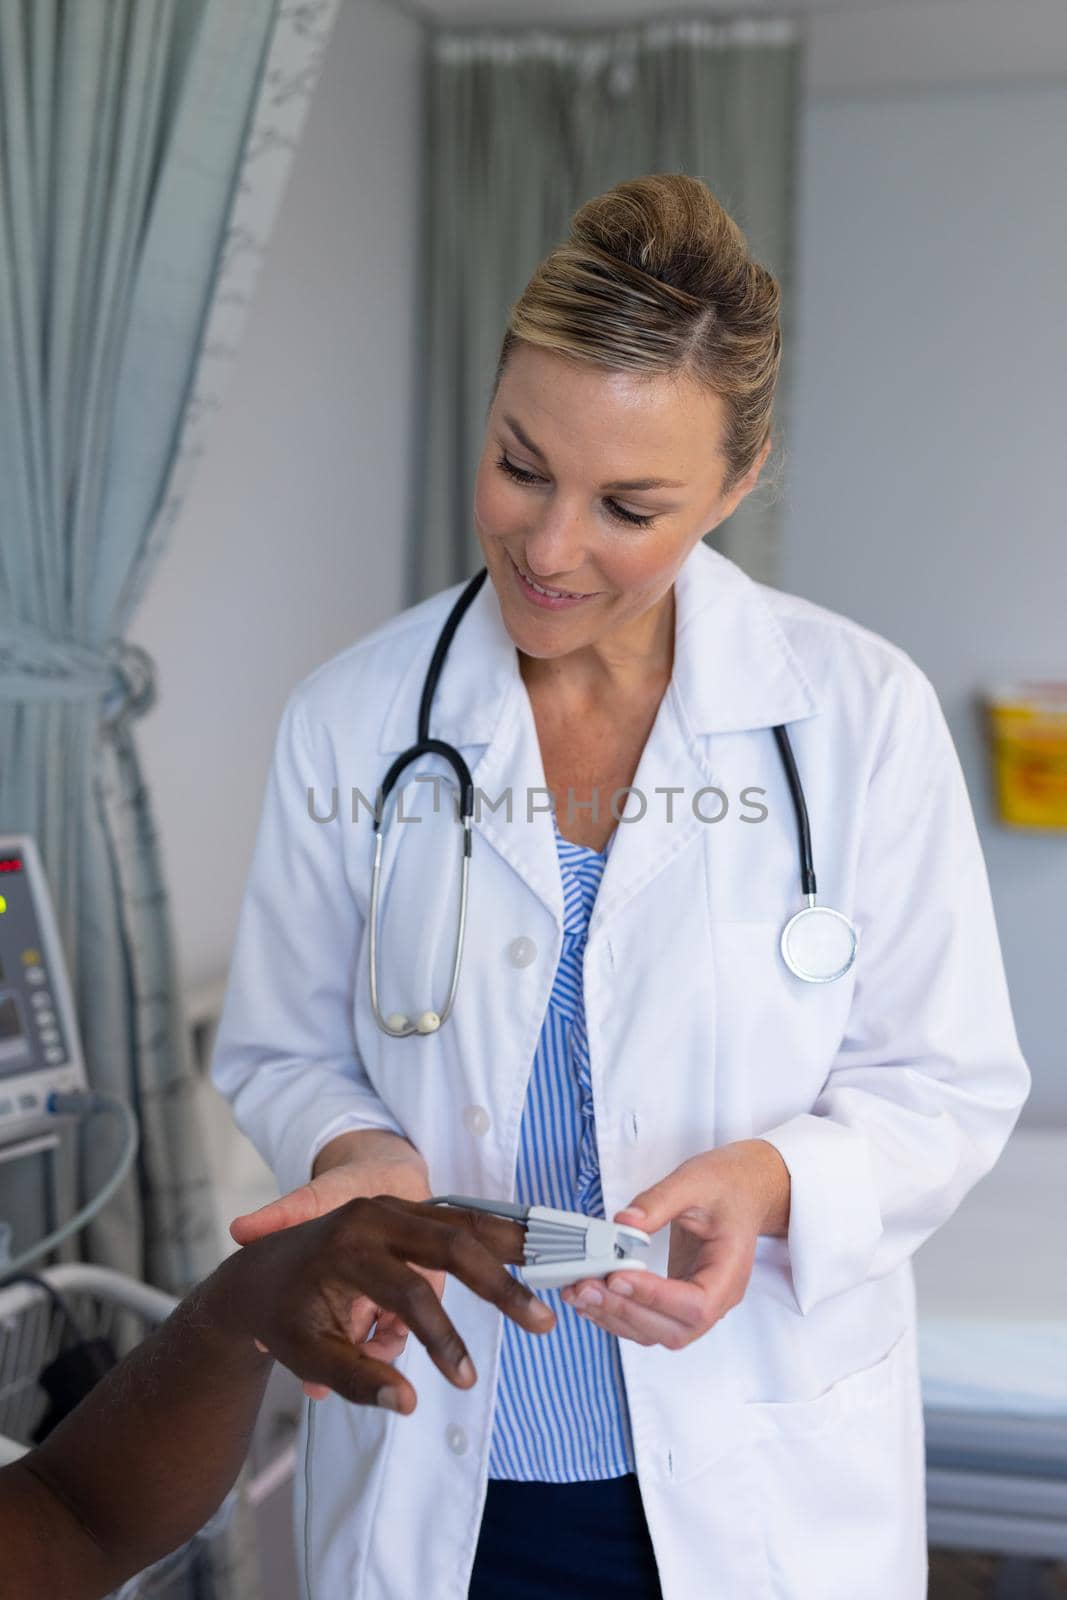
(734,669)
(733,666)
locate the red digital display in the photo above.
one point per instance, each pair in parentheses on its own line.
(10,863)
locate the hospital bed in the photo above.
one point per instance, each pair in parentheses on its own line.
(991,1287)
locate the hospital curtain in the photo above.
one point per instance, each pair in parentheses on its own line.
(521,129)
(144,146)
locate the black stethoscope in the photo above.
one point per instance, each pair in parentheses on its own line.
(817,944)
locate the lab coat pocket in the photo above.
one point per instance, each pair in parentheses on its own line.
(840,1482)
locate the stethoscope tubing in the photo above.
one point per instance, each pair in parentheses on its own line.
(399,1026)
(800,806)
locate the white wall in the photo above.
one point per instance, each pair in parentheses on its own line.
(927,411)
(291,543)
(928,418)
(865,46)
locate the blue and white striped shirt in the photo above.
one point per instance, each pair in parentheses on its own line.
(561,1413)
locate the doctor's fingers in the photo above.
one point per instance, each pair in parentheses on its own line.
(618,1315)
(300,1205)
(651,1309)
(693,1305)
(327,1192)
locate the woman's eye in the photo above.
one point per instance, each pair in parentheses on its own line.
(618,512)
(516,472)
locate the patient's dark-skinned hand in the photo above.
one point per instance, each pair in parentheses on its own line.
(148,1456)
(307,1305)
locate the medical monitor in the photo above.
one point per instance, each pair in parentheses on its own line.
(39,1044)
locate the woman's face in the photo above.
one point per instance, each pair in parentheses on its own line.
(576,434)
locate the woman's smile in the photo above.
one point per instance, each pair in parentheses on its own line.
(548,599)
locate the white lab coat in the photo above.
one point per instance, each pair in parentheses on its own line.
(780,1456)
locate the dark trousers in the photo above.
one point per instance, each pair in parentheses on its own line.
(564,1541)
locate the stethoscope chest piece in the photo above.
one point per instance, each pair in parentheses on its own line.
(819,944)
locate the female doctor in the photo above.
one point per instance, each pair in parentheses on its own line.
(641,1030)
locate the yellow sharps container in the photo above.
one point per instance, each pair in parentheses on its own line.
(1027,724)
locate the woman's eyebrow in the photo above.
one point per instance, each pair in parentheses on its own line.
(619,483)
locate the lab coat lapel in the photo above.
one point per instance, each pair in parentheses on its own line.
(733,670)
(513,817)
(654,822)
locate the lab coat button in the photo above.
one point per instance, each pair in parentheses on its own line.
(521,952)
(457,1439)
(476,1119)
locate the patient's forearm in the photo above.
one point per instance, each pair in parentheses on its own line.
(41,1543)
(144,1461)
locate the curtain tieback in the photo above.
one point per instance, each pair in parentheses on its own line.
(35,665)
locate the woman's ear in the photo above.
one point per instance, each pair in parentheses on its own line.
(744,485)
(751,477)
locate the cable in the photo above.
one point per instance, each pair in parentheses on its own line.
(307,1497)
(61,1305)
(81,1104)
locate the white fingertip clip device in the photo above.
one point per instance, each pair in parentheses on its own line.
(562,1247)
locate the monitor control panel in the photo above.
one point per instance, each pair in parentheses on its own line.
(40,1048)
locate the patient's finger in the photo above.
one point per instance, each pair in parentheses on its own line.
(405,1291)
(502,1237)
(334,1364)
(458,1241)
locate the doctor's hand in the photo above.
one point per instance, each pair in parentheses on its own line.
(370,1162)
(292,1291)
(717,1205)
(354,1165)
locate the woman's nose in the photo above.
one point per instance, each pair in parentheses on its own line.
(557,545)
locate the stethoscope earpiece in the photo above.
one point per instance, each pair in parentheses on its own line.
(400,1026)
